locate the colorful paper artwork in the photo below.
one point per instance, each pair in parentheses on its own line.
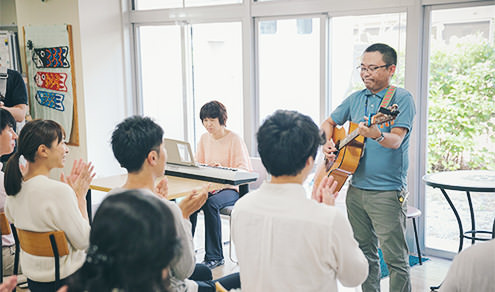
(51,80)
(50,99)
(51,57)
(50,65)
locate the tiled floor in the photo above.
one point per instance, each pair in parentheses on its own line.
(431,273)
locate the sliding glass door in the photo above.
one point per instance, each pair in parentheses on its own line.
(461,123)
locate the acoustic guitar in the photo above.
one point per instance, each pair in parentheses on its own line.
(350,148)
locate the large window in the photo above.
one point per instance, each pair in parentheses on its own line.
(217,71)
(161,77)
(162,4)
(350,36)
(289,66)
(461,123)
(257,56)
(175,83)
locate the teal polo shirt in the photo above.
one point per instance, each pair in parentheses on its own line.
(380,168)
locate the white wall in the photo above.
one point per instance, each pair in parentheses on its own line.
(31,12)
(103,72)
(99,65)
(7,12)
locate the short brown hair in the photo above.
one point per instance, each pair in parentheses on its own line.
(214,109)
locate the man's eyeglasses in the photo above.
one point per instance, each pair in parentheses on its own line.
(371,69)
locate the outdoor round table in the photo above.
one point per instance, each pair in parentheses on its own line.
(468,181)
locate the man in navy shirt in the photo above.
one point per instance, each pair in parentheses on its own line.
(14,99)
(377,196)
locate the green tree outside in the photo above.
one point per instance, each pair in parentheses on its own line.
(461,105)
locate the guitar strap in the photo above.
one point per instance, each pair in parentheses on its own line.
(388,96)
(385,101)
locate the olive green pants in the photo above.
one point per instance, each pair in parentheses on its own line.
(380,216)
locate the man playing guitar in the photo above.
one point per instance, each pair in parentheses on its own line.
(376,198)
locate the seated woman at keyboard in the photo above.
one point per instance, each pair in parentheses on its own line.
(223,148)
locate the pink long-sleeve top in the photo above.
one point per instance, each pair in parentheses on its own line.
(228,151)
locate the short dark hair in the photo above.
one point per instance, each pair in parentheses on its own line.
(285,142)
(389,54)
(133,139)
(133,238)
(6,119)
(214,109)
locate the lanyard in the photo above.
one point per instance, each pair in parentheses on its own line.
(366,106)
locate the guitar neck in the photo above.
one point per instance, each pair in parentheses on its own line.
(378,119)
(348,139)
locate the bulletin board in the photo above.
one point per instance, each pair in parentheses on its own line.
(4,49)
(51,76)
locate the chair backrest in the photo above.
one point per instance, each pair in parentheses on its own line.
(260,169)
(219,287)
(4,229)
(412,212)
(39,243)
(45,244)
(4,224)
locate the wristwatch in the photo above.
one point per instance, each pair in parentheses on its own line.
(380,138)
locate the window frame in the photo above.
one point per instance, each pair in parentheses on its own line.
(416,58)
(422,111)
(323,72)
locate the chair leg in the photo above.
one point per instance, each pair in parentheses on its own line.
(493,229)
(417,241)
(17,250)
(230,240)
(1,267)
(57,260)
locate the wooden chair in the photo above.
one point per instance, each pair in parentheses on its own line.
(219,287)
(413,213)
(45,244)
(5,229)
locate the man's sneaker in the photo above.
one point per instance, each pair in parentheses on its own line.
(213,263)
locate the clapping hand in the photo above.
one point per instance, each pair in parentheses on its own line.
(8,284)
(80,177)
(23,168)
(192,202)
(325,193)
(161,189)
